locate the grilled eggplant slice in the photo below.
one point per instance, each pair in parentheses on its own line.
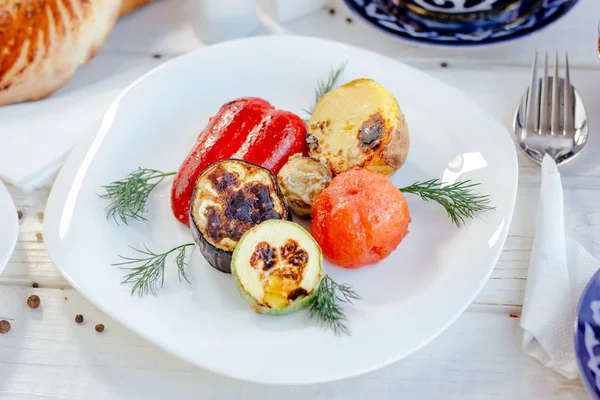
(277,267)
(301,180)
(358,125)
(230,197)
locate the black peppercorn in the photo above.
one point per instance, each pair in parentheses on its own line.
(4,326)
(33,301)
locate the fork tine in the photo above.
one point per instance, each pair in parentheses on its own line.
(544,123)
(555,124)
(523,114)
(569,102)
(532,111)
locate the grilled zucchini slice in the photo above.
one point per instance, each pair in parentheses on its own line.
(277,267)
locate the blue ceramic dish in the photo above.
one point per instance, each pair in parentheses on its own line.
(407,26)
(587,336)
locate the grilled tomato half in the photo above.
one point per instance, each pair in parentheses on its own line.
(360,218)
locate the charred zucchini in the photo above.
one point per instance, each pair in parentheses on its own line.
(301,180)
(230,197)
(358,125)
(277,267)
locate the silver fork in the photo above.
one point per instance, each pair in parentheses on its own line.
(551,118)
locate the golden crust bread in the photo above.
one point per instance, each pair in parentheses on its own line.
(43,42)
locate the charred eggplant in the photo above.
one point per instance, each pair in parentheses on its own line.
(277,267)
(230,197)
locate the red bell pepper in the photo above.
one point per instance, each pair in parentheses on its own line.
(250,129)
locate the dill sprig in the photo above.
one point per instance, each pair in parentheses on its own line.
(325,305)
(458,199)
(149,275)
(128,196)
(324,87)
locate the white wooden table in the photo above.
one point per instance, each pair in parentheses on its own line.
(47,355)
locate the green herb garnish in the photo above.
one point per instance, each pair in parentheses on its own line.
(149,275)
(325,305)
(458,199)
(128,196)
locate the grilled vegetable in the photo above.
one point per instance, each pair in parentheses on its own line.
(230,197)
(250,129)
(277,266)
(360,218)
(301,179)
(358,125)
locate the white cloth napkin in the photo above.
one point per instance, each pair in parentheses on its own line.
(559,270)
(36,137)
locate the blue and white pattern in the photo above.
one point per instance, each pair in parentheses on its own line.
(587,336)
(378,14)
(456,6)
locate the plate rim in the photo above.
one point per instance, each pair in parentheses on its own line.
(85,143)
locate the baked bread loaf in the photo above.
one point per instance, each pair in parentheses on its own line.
(43,42)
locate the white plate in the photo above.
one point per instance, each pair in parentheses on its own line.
(9,227)
(408,299)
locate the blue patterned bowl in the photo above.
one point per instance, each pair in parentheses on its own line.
(410,26)
(587,336)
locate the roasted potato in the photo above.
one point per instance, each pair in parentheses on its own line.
(358,125)
(301,179)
